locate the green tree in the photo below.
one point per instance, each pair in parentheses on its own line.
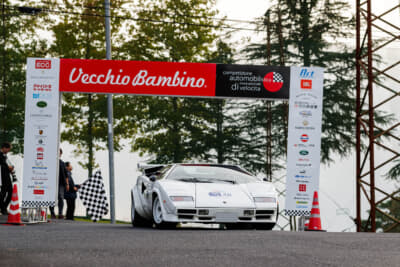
(170,129)
(307,29)
(18,25)
(81,34)
(222,136)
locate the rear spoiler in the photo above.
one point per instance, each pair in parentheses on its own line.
(149,169)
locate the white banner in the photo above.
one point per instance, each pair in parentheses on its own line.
(40,179)
(304,139)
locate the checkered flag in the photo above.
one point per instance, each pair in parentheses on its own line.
(277,78)
(93,196)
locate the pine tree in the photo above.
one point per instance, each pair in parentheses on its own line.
(308,28)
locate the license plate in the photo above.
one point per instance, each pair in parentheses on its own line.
(226,217)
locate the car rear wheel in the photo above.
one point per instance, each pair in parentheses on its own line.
(136,219)
(158,220)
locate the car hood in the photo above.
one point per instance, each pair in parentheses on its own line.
(219,195)
(215,195)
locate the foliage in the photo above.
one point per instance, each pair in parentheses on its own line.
(85,115)
(383,222)
(394,172)
(16,29)
(171,129)
(307,29)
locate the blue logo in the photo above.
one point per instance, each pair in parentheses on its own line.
(42,96)
(302,176)
(304,73)
(219,194)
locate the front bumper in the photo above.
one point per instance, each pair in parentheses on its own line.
(222,215)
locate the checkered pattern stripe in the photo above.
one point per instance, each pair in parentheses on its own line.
(277,78)
(37,204)
(93,196)
(297,212)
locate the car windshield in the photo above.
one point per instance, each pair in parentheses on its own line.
(210,174)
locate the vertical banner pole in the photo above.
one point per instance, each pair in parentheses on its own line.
(110,118)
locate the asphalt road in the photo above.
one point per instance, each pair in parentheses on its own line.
(62,243)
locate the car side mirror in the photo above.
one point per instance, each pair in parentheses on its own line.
(153,178)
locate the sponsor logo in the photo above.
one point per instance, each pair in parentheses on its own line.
(298,176)
(302,187)
(303,152)
(304,128)
(304,138)
(39,168)
(273,81)
(42,87)
(306,84)
(39,178)
(306,95)
(42,96)
(302,202)
(219,194)
(302,171)
(41,104)
(40,153)
(142,78)
(41,173)
(38,191)
(305,113)
(305,105)
(41,116)
(40,141)
(304,145)
(301,207)
(305,122)
(305,74)
(303,164)
(42,64)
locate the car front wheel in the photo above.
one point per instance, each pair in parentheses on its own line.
(158,220)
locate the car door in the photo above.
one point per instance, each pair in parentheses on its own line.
(145,189)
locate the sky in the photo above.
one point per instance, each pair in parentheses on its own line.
(337,181)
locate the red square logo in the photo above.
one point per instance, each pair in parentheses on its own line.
(43,64)
(302,188)
(38,192)
(306,84)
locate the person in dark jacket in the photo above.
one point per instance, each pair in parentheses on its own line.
(62,184)
(70,194)
(6,181)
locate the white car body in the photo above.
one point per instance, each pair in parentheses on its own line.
(159,198)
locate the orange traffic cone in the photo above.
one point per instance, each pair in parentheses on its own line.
(14,213)
(315,219)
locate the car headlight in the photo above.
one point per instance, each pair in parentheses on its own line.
(265,199)
(181,198)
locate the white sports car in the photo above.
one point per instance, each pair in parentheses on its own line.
(165,195)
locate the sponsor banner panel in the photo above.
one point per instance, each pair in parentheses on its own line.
(253,81)
(174,79)
(39,187)
(304,139)
(137,77)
